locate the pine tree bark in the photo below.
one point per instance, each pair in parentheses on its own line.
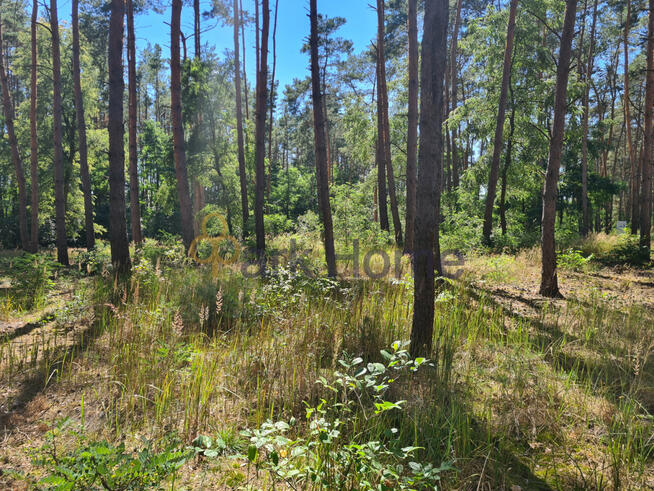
(81,133)
(34,149)
(117,213)
(648,154)
(549,282)
(499,125)
(8,109)
(634,222)
(179,147)
(134,194)
(58,158)
(430,174)
(585,215)
(412,131)
(384,128)
(321,145)
(239,125)
(260,130)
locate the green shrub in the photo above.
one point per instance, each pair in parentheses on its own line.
(32,279)
(573,260)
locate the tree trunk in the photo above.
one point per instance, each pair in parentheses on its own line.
(549,283)
(8,108)
(627,116)
(34,148)
(58,160)
(196,27)
(505,169)
(239,125)
(430,173)
(81,134)
(412,132)
(245,76)
(260,131)
(384,129)
(272,102)
(179,148)
(452,69)
(135,206)
(117,217)
(321,146)
(499,128)
(648,154)
(585,215)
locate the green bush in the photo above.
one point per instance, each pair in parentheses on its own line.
(32,279)
(573,260)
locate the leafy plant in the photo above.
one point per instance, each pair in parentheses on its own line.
(339,450)
(573,260)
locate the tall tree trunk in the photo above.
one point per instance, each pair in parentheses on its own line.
(179,147)
(384,129)
(8,108)
(452,71)
(58,158)
(412,131)
(245,76)
(430,174)
(260,131)
(585,215)
(549,282)
(499,127)
(134,195)
(34,149)
(627,115)
(196,27)
(117,216)
(272,102)
(81,134)
(505,169)
(648,154)
(321,146)
(239,125)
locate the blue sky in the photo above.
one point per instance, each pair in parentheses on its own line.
(292,30)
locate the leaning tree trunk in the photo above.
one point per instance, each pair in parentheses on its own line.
(430,174)
(499,125)
(179,149)
(34,148)
(239,125)
(412,131)
(321,146)
(117,218)
(8,109)
(134,202)
(648,154)
(81,134)
(549,286)
(58,157)
(585,215)
(384,130)
(260,131)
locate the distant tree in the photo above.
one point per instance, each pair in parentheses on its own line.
(549,286)
(239,125)
(117,218)
(430,174)
(648,153)
(34,152)
(179,149)
(412,130)
(134,194)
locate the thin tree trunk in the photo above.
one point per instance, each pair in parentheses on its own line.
(505,170)
(384,129)
(58,160)
(648,154)
(627,115)
(272,102)
(412,132)
(196,27)
(179,148)
(34,149)
(321,146)
(549,282)
(456,168)
(8,108)
(135,206)
(260,130)
(117,216)
(239,126)
(430,174)
(245,76)
(585,220)
(499,125)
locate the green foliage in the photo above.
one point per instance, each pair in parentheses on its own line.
(573,260)
(32,278)
(338,450)
(101,465)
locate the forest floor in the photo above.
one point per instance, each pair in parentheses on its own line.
(539,393)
